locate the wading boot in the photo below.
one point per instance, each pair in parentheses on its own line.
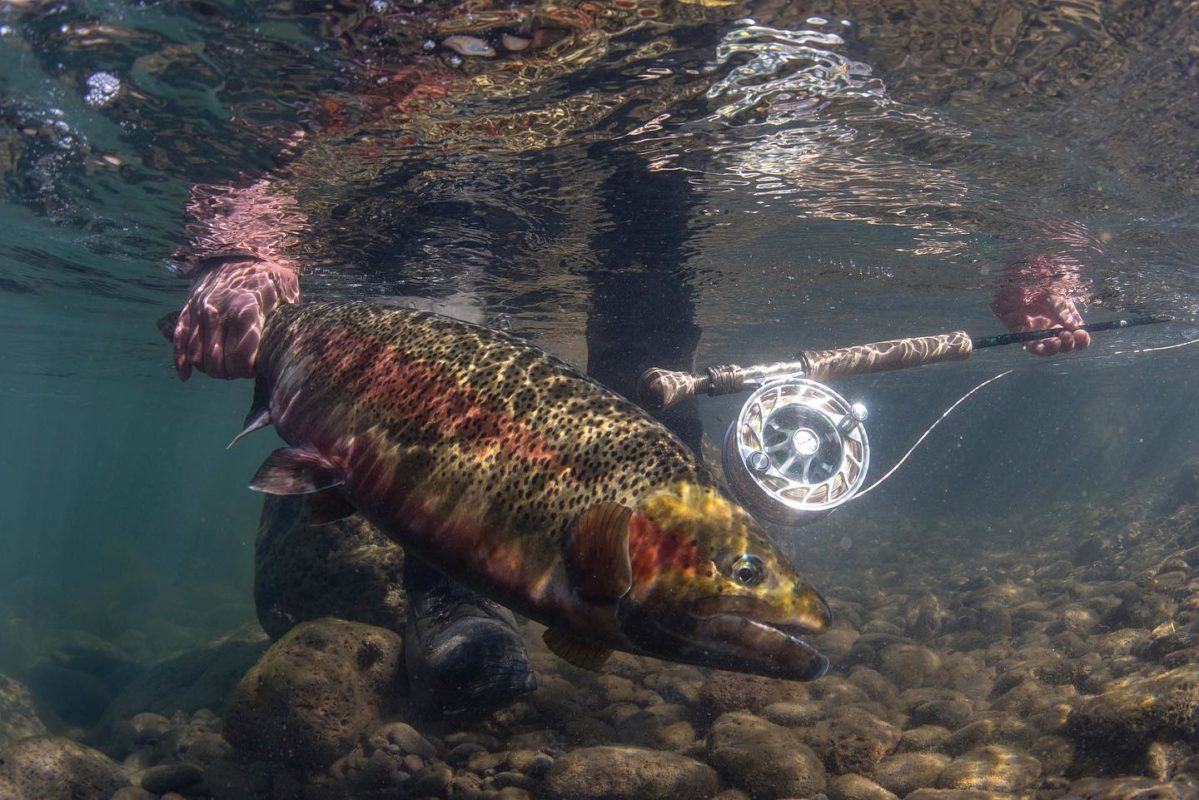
(461,650)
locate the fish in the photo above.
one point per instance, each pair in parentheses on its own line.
(516,475)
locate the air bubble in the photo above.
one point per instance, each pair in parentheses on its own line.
(102,89)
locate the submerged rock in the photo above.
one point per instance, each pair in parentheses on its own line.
(345,569)
(171,778)
(1130,788)
(18,715)
(992,769)
(55,768)
(628,773)
(315,693)
(855,787)
(905,772)
(200,678)
(908,666)
(1134,711)
(77,679)
(852,741)
(730,691)
(73,695)
(763,759)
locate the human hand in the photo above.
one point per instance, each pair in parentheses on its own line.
(221,323)
(1043,303)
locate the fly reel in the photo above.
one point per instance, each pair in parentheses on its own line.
(796,451)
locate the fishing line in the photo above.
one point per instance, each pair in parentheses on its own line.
(1154,349)
(924,435)
(992,379)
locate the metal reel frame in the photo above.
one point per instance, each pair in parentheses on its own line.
(796,451)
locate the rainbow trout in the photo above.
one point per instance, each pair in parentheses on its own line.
(521,478)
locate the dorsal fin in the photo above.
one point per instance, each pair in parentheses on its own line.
(597,553)
(585,655)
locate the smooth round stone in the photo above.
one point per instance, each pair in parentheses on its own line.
(628,773)
(171,778)
(762,758)
(408,739)
(993,768)
(922,737)
(905,772)
(855,787)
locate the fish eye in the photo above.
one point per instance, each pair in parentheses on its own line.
(748,570)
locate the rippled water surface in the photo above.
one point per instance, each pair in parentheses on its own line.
(711,180)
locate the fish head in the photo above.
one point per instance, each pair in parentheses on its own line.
(709,587)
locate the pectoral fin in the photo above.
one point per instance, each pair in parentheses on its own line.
(294,470)
(574,650)
(597,553)
(329,505)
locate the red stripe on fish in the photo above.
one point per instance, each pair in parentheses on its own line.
(386,376)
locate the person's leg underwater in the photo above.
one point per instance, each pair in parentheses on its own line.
(462,651)
(643,306)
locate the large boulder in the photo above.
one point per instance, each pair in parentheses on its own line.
(628,773)
(763,759)
(315,693)
(55,768)
(345,569)
(18,714)
(79,676)
(200,678)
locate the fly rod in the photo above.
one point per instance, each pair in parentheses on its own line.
(661,388)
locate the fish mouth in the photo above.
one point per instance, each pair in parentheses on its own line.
(745,645)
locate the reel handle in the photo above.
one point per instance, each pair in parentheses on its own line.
(821,365)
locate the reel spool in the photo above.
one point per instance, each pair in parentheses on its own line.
(796,451)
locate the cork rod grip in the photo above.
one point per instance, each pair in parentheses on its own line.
(662,388)
(882,356)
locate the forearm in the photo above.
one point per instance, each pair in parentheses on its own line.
(256,224)
(1051,256)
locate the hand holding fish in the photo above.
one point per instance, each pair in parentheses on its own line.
(239,253)
(220,326)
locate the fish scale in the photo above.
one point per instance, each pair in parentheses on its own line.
(512,472)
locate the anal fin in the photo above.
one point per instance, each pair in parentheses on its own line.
(295,470)
(573,650)
(329,505)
